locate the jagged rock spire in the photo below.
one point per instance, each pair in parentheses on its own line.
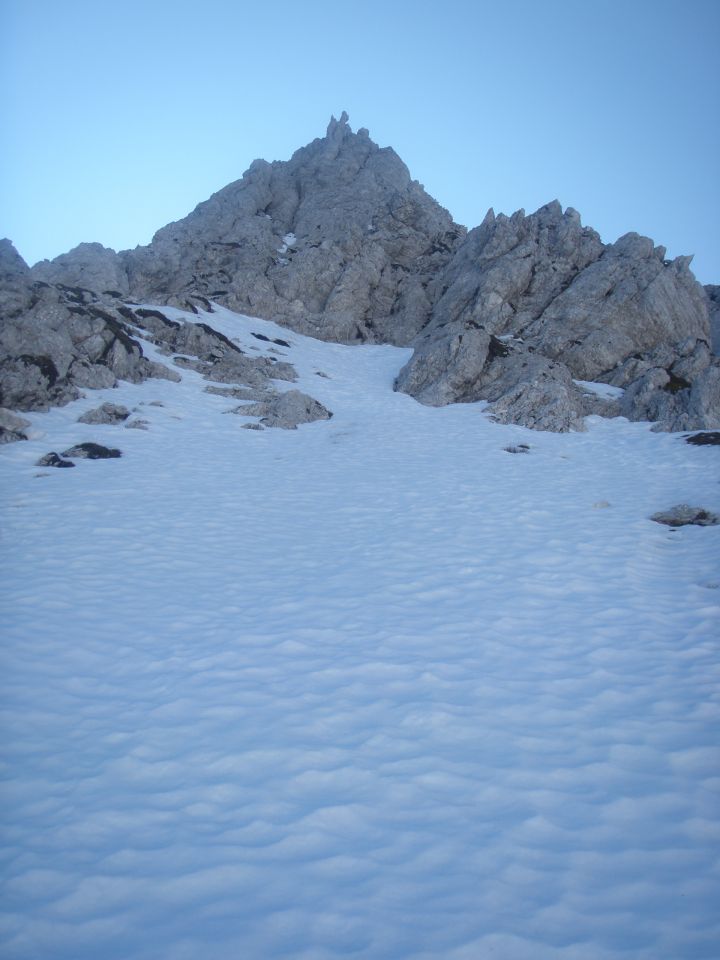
(337,128)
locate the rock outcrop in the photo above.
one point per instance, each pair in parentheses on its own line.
(530,304)
(285,410)
(57,340)
(684,515)
(713,292)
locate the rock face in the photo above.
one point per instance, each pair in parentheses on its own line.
(530,304)
(338,242)
(56,340)
(713,293)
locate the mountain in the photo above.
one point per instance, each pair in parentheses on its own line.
(341,244)
(296,667)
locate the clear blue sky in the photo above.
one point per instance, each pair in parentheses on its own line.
(118,117)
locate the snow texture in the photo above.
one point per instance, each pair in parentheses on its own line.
(372,688)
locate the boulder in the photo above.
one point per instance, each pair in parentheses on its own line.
(53,460)
(285,410)
(91,451)
(107,413)
(683,515)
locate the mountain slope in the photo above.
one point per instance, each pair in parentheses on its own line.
(377,687)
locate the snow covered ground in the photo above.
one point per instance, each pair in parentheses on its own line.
(374,688)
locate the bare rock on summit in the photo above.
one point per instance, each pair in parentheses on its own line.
(337,242)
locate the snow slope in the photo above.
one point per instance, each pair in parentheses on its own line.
(375,688)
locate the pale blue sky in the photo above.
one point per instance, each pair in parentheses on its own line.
(121,116)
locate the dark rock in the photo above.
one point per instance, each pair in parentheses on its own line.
(683,515)
(91,451)
(706,438)
(53,460)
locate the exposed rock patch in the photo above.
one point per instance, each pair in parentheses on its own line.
(53,460)
(708,438)
(92,451)
(12,427)
(286,410)
(683,515)
(107,413)
(56,340)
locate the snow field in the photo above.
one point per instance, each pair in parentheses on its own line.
(372,688)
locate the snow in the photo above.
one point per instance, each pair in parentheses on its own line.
(289,240)
(373,688)
(605,390)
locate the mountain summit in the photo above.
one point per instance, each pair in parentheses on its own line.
(340,243)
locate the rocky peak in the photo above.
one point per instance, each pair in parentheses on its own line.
(337,129)
(338,242)
(12,264)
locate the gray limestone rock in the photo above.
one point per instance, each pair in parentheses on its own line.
(338,242)
(89,265)
(572,308)
(206,351)
(56,340)
(683,515)
(12,265)
(12,422)
(10,436)
(713,293)
(107,413)
(286,410)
